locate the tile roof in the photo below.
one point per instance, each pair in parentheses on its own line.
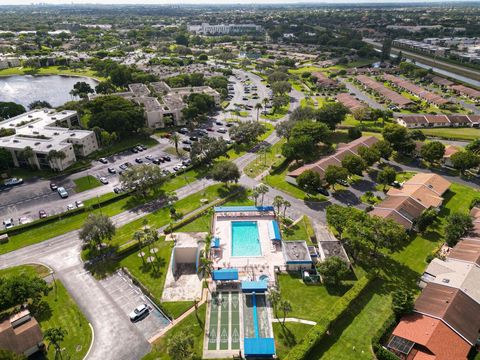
(466,91)
(431,181)
(466,250)
(351,102)
(415,89)
(384,91)
(437,340)
(456,309)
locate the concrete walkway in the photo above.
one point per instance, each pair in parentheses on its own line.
(301,321)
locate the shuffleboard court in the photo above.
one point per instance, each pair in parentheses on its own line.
(224,321)
(212,329)
(262,317)
(235,321)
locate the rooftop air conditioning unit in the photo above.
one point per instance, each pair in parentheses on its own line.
(30,126)
(54,118)
(72,134)
(56,133)
(30,116)
(49,146)
(37,143)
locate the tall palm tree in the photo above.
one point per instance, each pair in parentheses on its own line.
(265,101)
(55,336)
(258,107)
(205,268)
(27,154)
(175,140)
(138,236)
(262,190)
(286,307)
(278,203)
(255,195)
(274,298)
(286,205)
(54,156)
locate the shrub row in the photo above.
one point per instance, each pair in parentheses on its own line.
(381,337)
(319,331)
(19,229)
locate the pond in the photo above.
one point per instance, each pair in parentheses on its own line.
(23,89)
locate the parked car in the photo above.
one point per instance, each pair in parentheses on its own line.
(8,223)
(187,142)
(323,191)
(343,182)
(62,192)
(24,220)
(193,138)
(229,124)
(138,160)
(53,186)
(210,129)
(149,157)
(123,167)
(187,148)
(79,204)
(183,131)
(111,170)
(117,190)
(222,130)
(141,146)
(103,160)
(157,161)
(42,214)
(70,207)
(396,184)
(139,312)
(166,158)
(186,162)
(13,182)
(134,150)
(103,180)
(218,122)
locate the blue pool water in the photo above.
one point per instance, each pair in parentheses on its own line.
(245,239)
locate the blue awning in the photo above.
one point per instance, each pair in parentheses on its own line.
(254,286)
(259,347)
(274,230)
(215,243)
(242,208)
(225,274)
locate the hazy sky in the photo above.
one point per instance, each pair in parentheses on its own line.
(230,2)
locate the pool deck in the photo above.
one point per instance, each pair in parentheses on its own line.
(259,265)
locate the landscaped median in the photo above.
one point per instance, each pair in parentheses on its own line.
(315,335)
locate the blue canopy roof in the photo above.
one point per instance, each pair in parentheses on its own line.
(254,286)
(242,208)
(259,347)
(225,274)
(274,231)
(215,243)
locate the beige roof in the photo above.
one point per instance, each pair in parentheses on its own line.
(432,181)
(467,250)
(393,215)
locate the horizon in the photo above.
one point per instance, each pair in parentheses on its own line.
(225,2)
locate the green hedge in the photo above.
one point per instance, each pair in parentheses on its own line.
(19,229)
(381,337)
(318,332)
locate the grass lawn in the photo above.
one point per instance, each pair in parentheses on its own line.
(298,231)
(352,335)
(152,279)
(309,301)
(66,314)
(63,225)
(191,325)
(86,183)
(453,133)
(277,180)
(265,160)
(288,336)
(279,113)
(63,313)
(177,308)
(50,70)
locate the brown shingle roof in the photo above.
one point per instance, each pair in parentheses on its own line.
(404,205)
(431,181)
(432,334)
(22,337)
(466,250)
(384,91)
(437,119)
(393,215)
(466,91)
(350,102)
(417,90)
(452,306)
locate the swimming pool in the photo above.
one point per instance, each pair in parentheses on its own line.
(245,239)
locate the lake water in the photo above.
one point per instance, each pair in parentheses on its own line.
(23,89)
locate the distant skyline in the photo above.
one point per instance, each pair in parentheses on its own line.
(219,2)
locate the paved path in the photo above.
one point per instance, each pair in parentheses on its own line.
(301,321)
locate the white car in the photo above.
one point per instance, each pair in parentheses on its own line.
(62,192)
(79,203)
(103,180)
(139,312)
(24,220)
(70,207)
(8,223)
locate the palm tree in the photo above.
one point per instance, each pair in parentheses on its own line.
(265,101)
(27,154)
(53,156)
(255,195)
(286,307)
(170,198)
(274,298)
(205,268)
(55,336)
(258,107)
(175,140)
(138,236)
(277,203)
(286,205)
(262,190)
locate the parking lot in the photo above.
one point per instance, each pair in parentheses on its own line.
(128,297)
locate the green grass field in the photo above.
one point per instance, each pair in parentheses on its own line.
(64,313)
(193,324)
(50,70)
(288,336)
(468,134)
(86,183)
(177,308)
(351,337)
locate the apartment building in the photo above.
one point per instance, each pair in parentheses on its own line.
(224,29)
(46,131)
(428,120)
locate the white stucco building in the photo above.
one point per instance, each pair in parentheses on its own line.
(44,130)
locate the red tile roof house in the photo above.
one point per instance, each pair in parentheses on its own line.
(350,102)
(21,334)
(444,326)
(405,205)
(323,81)
(449,151)
(335,159)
